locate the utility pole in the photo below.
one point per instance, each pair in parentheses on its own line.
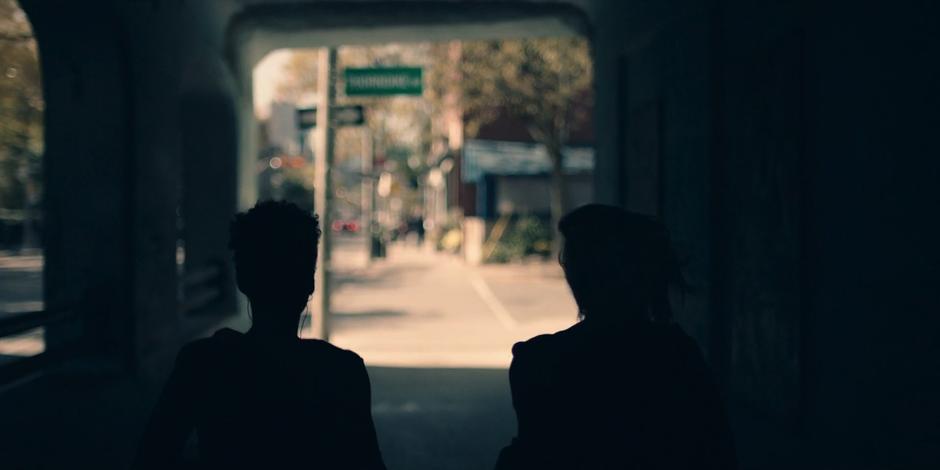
(323,189)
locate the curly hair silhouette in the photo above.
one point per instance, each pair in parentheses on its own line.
(267,399)
(625,387)
(275,251)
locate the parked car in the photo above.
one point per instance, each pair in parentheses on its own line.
(346,226)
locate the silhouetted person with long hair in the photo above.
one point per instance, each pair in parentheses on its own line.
(625,388)
(267,399)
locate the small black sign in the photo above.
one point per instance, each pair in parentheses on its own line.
(351,115)
(306,118)
(347,115)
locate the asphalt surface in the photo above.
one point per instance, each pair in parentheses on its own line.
(419,308)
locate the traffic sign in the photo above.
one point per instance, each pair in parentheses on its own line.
(346,115)
(350,115)
(384,81)
(306,118)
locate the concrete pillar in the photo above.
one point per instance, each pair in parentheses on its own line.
(608,127)
(131,90)
(209,128)
(88,174)
(155,62)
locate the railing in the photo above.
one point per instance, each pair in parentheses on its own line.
(202,287)
(18,323)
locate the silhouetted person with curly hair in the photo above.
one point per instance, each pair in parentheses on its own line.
(625,388)
(265,398)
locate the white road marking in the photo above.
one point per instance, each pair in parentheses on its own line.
(496,307)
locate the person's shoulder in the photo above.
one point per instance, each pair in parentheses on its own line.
(330,352)
(201,353)
(548,343)
(347,369)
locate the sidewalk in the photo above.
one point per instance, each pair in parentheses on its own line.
(21,291)
(20,281)
(418,308)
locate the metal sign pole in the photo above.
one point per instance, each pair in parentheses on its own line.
(323,189)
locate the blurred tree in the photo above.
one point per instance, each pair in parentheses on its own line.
(21,110)
(528,235)
(543,82)
(299,82)
(399,125)
(297,187)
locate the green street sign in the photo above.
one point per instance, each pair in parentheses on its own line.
(384,81)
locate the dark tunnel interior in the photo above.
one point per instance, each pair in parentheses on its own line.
(778,158)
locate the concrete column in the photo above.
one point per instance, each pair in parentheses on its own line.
(607,119)
(88,174)
(154,46)
(209,130)
(116,127)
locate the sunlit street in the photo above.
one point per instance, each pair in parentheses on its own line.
(418,308)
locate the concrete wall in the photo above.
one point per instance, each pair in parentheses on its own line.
(87,209)
(187,163)
(789,149)
(653,119)
(141,135)
(873,258)
(757,208)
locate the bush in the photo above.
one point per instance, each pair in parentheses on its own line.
(450,241)
(527,236)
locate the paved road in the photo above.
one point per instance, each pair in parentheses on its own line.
(20,291)
(20,282)
(436,335)
(418,308)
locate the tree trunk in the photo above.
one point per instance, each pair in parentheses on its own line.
(559,194)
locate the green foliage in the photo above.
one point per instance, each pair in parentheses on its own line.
(21,108)
(449,236)
(527,236)
(400,126)
(536,80)
(297,188)
(289,184)
(545,83)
